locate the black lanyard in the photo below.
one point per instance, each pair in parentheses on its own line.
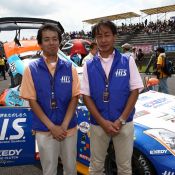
(53,102)
(106,92)
(106,84)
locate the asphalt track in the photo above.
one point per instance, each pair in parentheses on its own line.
(21,170)
(36,170)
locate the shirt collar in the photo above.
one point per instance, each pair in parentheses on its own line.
(110,56)
(45,58)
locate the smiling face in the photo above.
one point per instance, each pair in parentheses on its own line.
(50,43)
(105,40)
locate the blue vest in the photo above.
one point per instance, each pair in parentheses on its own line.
(62,85)
(119,88)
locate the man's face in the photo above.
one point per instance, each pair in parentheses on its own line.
(50,43)
(105,39)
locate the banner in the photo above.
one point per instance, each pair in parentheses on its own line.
(17,144)
(146,48)
(168,47)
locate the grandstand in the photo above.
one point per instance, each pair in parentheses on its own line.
(145,36)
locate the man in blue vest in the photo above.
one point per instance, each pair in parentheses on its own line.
(51,86)
(110,88)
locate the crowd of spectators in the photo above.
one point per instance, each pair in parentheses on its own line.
(77,35)
(160,26)
(145,27)
(151,27)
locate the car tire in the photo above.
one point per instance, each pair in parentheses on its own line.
(140,164)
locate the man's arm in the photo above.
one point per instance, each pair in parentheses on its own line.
(105,124)
(57,131)
(160,63)
(69,113)
(129,107)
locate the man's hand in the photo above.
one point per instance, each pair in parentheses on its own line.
(58,132)
(110,128)
(117,125)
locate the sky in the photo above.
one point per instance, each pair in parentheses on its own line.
(71,13)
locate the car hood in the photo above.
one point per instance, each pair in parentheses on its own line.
(156,110)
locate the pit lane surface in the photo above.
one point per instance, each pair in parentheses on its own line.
(24,170)
(21,170)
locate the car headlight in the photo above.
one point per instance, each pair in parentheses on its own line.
(163,136)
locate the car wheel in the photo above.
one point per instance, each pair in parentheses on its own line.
(140,164)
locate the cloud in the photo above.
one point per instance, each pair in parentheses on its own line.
(27,8)
(72,13)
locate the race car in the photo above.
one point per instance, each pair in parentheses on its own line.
(154,136)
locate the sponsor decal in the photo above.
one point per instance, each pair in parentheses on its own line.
(16,65)
(12,67)
(143,98)
(141,113)
(84,157)
(168,173)
(4,153)
(144,165)
(9,156)
(16,126)
(4,162)
(158,151)
(121,72)
(65,79)
(83,139)
(17,145)
(13,99)
(156,103)
(84,127)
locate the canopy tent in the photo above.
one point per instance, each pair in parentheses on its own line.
(113,17)
(164,9)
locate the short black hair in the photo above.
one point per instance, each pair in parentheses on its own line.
(48,27)
(160,50)
(107,23)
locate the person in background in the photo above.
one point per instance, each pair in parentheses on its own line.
(140,57)
(133,53)
(51,86)
(152,63)
(2,67)
(76,58)
(126,49)
(92,52)
(110,88)
(161,75)
(12,84)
